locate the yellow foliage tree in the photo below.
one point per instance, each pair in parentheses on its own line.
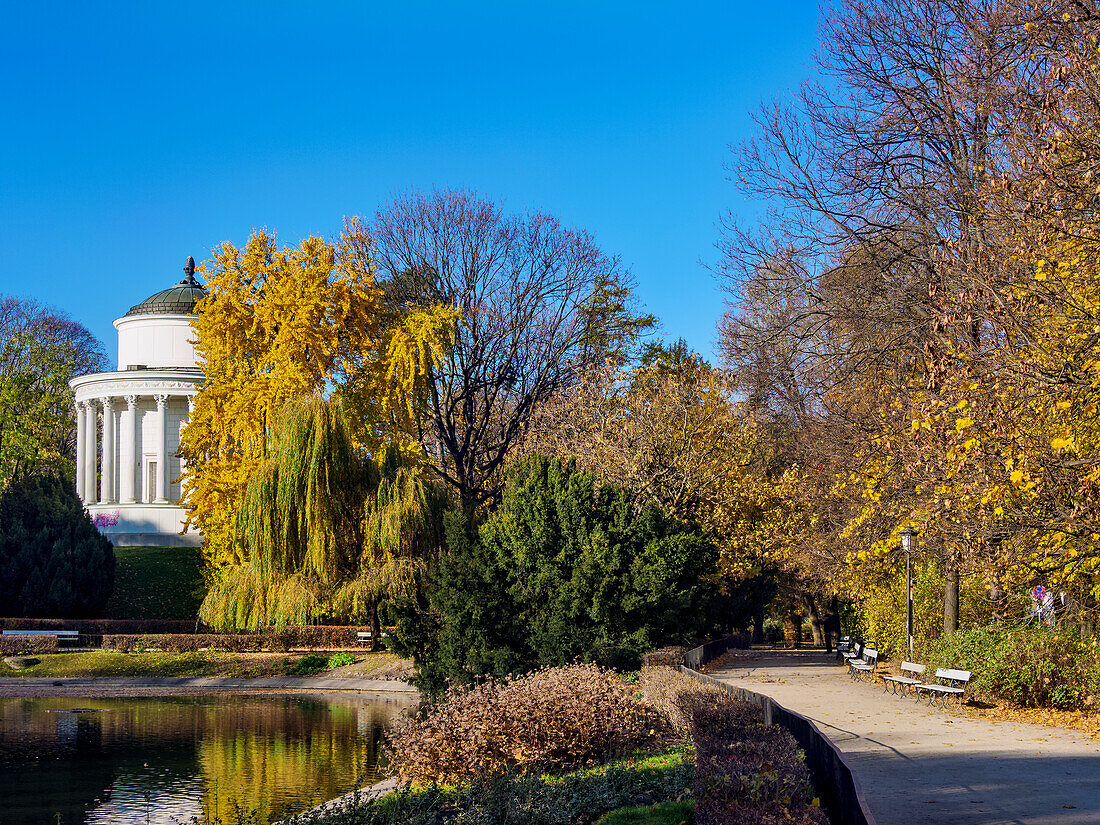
(283,323)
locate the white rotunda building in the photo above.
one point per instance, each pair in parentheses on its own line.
(129,422)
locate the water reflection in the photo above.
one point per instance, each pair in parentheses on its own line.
(174,759)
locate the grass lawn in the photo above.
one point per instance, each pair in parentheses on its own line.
(156,583)
(201,663)
(663,813)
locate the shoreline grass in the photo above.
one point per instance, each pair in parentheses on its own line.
(111,663)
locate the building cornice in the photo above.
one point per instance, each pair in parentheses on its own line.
(175,382)
(156,317)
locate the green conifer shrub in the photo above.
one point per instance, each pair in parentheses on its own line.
(564,569)
(53,561)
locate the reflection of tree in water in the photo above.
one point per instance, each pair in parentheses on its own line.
(277,760)
(272,755)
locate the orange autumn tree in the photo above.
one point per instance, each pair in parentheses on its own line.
(278,324)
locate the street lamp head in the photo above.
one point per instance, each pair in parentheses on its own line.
(907,535)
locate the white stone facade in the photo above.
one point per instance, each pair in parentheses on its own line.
(128,433)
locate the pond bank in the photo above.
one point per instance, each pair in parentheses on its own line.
(105,686)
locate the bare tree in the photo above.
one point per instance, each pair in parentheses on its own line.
(880,245)
(538,303)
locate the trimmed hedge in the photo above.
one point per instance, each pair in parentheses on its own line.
(748,773)
(98,626)
(744,772)
(122,634)
(16,645)
(319,637)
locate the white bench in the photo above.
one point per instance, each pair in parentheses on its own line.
(952,683)
(853,653)
(904,683)
(843,646)
(866,665)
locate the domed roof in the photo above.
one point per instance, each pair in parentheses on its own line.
(176,300)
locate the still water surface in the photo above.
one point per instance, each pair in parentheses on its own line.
(187,758)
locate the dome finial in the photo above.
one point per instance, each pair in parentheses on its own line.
(189,271)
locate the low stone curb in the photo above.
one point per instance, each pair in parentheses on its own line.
(350,799)
(177,683)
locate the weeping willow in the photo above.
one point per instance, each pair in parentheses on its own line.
(322,529)
(402,528)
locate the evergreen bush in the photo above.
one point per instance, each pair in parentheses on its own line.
(53,561)
(564,569)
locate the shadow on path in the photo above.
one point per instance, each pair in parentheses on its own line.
(921,765)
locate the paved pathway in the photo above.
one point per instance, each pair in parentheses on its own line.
(919,765)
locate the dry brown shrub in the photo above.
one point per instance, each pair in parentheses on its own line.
(664,656)
(552,720)
(675,696)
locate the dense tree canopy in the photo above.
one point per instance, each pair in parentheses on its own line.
(41,350)
(916,307)
(282,323)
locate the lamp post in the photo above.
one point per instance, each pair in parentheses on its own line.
(907,536)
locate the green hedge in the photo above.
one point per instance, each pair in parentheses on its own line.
(156,583)
(1032,667)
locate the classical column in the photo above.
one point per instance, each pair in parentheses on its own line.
(89,451)
(107,473)
(128,451)
(162,449)
(183,426)
(80,450)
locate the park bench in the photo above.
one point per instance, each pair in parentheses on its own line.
(363,635)
(63,636)
(843,646)
(854,652)
(866,665)
(900,685)
(950,683)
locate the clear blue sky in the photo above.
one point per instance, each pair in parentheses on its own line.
(135,135)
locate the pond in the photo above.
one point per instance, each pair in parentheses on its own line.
(71,761)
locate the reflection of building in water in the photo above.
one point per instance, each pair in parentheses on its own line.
(79,733)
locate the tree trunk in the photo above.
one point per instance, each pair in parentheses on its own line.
(794,626)
(758,628)
(816,625)
(951,599)
(375,628)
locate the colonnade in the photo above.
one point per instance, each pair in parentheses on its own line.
(111,454)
